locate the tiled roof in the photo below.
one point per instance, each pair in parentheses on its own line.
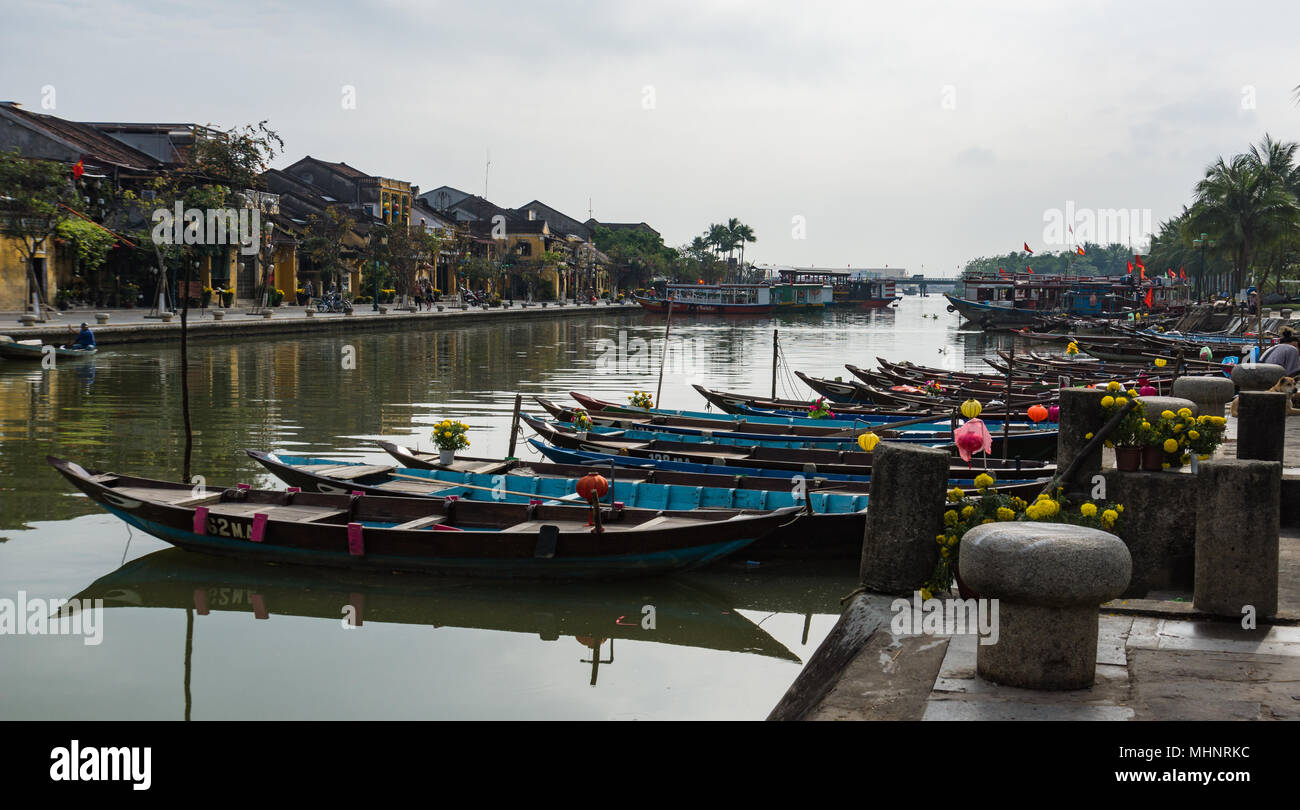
(93,145)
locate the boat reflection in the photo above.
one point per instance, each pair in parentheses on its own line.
(662,610)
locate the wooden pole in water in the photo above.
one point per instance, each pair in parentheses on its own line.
(1006,419)
(514,425)
(775,354)
(663,359)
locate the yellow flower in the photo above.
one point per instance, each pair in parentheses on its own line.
(950,518)
(1005,513)
(941,539)
(1113,386)
(1184,412)
(944,552)
(1132,392)
(1119,507)
(1192,434)
(925,593)
(1110,515)
(1042,496)
(1170,445)
(984,481)
(1146,425)
(968,511)
(1088,509)
(1032,512)
(956,494)
(1178,428)
(986,520)
(1017,503)
(1107,401)
(952,540)
(1166,414)
(1087,435)
(1121,401)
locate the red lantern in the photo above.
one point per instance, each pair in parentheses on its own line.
(592,484)
(1037,413)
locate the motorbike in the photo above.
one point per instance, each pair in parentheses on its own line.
(333,302)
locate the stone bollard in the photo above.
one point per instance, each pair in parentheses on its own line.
(101,318)
(310,312)
(27,319)
(1211,394)
(908,485)
(1256,376)
(218,314)
(1261,425)
(1154,406)
(1080,415)
(267,314)
(1049,580)
(1159,527)
(1237,527)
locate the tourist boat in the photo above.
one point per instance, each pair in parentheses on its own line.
(35,350)
(442,536)
(847,291)
(832,523)
(1022,298)
(793,459)
(737,299)
(685,615)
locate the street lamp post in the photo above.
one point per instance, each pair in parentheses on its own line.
(1203,242)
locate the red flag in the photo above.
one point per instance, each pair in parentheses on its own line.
(1027,250)
(1029,270)
(1181,274)
(1138,260)
(78,170)
(1130,267)
(1001,272)
(1079,249)
(1170,271)
(1148,298)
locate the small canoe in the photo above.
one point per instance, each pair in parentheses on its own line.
(435,536)
(832,524)
(35,351)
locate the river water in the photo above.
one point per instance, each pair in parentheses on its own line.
(186,636)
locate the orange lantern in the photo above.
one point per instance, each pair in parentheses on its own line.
(1037,413)
(592,485)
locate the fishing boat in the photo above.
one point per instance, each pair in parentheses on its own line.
(791,459)
(848,290)
(1026,441)
(437,536)
(35,350)
(831,524)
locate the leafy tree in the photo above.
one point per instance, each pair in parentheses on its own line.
(325,242)
(35,200)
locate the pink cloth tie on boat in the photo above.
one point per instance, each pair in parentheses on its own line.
(356,546)
(201,520)
(259,527)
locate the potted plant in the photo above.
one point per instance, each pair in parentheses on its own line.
(205,297)
(302,296)
(450,436)
(965,511)
(227,297)
(581,421)
(276,297)
(1167,441)
(1127,436)
(129,294)
(641,399)
(1205,437)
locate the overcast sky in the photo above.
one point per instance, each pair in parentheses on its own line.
(910,134)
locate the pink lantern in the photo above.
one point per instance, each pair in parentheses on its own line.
(971,438)
(1054,413)
(1146,391)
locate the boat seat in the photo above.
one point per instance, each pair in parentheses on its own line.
(201,500)
(420,523)
(353,471)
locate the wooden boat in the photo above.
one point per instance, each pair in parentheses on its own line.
(846,462)
(745,405)
(1023,441)
(830,525)
(895,396)
(988,314)
(441,536)
(35,350)
(686,615)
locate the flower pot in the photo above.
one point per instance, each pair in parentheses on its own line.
(1153,458)
(446,457)
(1128,458)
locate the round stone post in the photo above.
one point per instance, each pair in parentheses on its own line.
(1211,394)
(1261,425)
(904,516)
(1256,376)
(1049,580)
(1080,415)
(1237,527)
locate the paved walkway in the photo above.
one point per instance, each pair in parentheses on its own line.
(1156,660)
(134,325)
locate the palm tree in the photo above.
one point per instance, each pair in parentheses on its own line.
(745,234)
(719,237)
(1243,205)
